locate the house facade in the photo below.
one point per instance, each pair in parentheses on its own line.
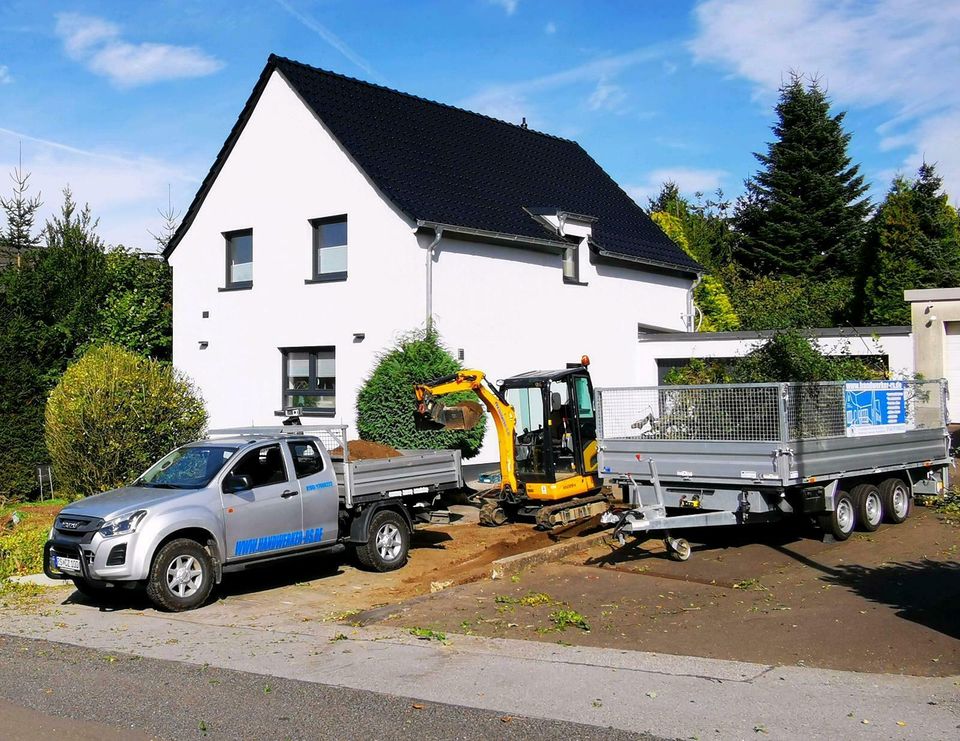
(340,215)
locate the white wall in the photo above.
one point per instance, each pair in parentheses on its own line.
(897,347)
(507,307)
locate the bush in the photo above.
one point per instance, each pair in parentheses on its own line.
(113,414)
(791,302)
(386,402)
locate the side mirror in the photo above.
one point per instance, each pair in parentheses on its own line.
(234,482)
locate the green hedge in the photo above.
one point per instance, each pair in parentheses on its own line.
(113,414)
(386,402)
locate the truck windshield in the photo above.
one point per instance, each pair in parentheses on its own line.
(191,467)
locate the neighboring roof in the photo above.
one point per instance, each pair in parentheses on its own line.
(444,165)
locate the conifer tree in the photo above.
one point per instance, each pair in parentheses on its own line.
(21,210)
(913,242)
(804,211)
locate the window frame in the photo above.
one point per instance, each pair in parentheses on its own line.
(293,458)
(315,231)
(258,450)
(228,283)
(285,391)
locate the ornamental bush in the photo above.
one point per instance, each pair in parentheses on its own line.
(386,402)
(113,414)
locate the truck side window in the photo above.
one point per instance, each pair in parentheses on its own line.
(306,458)
(264,466)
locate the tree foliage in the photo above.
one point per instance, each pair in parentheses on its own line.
(786,356)
(20,210)
(790,302)
(113,414)
(804,211)
(386,402)
(913,242)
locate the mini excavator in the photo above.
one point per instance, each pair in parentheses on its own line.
(548,469)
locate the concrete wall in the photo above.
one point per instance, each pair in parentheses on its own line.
(893,342)
(933,312)
(507,307)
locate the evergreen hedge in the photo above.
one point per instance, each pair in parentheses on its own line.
(386,402)
(113,414)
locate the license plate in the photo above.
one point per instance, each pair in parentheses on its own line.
(66,564)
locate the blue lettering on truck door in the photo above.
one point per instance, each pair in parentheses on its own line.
(278,541)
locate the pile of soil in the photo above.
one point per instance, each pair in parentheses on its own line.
(364,449)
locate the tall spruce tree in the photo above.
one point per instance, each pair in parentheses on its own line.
(804,211)
(21,211)
(913,242)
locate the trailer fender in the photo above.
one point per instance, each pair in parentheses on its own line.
(360,524)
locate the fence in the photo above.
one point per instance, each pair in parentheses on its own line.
(770,412)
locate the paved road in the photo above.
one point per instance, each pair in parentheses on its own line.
(663,695)
(57,690)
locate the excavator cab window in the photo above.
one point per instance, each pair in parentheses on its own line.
(531,452)
(562,430)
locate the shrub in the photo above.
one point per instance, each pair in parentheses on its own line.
(113,414)
(386,402)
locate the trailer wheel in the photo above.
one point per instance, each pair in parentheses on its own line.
(388,542)
(841,522)
(866,498)
(896,500)
(678,548)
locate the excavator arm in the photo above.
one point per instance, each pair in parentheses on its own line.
(463,416)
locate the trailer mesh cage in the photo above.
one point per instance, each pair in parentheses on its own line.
(766,412)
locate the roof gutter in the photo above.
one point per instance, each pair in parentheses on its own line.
(553,245)
(643,261)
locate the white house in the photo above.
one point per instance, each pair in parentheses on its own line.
(340,214)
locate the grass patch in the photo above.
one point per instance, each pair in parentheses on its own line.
(564,618)
(427,634)
(530,599)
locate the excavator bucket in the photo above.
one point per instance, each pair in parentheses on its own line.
(461,415)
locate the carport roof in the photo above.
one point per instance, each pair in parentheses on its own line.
(442,165)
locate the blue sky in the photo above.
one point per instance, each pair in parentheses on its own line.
(123,100)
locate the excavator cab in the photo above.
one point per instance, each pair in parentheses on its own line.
(556,431)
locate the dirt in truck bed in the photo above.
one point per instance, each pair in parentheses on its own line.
(361,450)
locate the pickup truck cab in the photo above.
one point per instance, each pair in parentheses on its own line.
(223,504)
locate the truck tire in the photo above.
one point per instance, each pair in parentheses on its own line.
(895,495)
(388,542)
(866,498)
(841,522)
(181,577)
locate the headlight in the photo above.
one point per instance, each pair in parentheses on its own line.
(122,525)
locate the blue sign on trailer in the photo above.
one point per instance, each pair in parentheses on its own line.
(874,407)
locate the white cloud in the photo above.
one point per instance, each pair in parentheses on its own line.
(550,28)
(330,37)
(509,6)
(607,96)
(5,77)
(510,101)
(99,45)
(690,180)
(897,54)
(125,192)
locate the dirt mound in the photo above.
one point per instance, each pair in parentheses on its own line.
(363,449)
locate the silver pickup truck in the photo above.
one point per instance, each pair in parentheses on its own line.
(242,497)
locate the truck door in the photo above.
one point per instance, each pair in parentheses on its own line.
(319,496)
(266,517)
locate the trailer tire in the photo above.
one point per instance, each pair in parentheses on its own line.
(895,495)
(181,577)
(869,505)
(388,542)
(841,522)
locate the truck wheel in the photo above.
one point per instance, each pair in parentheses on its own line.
(896,500)
(388,542)
(841,522)
(866,498)
(181,577)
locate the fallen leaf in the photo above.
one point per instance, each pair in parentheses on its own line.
(417,706)
(506,718)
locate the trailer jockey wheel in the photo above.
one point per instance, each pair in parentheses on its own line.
(678,548)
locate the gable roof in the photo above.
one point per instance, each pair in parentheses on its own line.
(445,165)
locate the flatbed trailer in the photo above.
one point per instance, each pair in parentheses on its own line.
(847,454)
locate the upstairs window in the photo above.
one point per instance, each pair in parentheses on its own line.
(310,380)
(239,259)
(571,265)
(329,248)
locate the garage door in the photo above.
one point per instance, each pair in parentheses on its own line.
(951,368)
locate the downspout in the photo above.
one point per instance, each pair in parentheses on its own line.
(437,235)
(691,307)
